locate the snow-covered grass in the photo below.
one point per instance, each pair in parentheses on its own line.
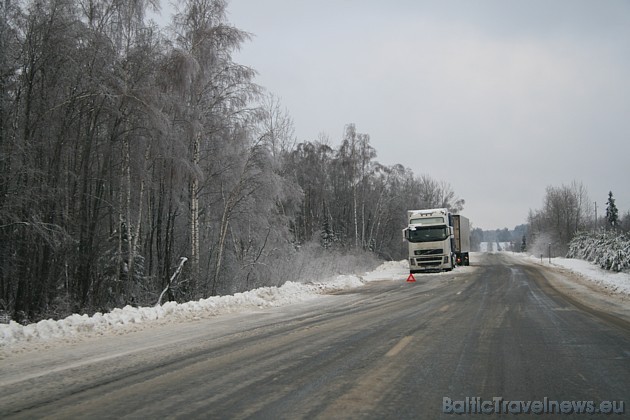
(128,317)
(618,283)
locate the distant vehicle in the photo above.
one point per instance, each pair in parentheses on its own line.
(437,240)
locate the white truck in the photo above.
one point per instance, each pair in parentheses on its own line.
(438,240)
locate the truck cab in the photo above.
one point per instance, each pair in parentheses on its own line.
(430,237)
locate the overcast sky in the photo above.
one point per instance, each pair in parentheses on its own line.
(498,98)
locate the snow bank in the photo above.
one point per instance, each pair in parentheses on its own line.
(389,270)
(119,319)
(615,282)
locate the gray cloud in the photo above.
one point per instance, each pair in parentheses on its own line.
(499,98)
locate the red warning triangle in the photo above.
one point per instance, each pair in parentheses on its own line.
(411,278)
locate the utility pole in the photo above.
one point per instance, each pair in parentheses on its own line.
(596,216)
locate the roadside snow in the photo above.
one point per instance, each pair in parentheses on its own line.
(131,318)
(615,282)
(120,320)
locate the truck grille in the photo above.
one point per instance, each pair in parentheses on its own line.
(428,263)
(428,252)
(429,257)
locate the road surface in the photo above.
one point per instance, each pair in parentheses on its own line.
(391,349)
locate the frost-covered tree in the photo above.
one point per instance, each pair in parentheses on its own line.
(566,210)
(354,201)
(126,149)
(276,125)
(624,224)
(433,193)
(503,235)
(608,249)
(612,214)
(212,92)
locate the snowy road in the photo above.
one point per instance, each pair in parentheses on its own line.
(387,350)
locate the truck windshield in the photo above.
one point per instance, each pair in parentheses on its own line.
(428,234)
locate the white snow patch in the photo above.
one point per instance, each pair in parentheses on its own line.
(390,270)
(118,320)
(613,281)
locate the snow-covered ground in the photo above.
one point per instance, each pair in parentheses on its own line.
(125,319)
(618,283)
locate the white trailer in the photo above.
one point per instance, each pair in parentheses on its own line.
(461,238)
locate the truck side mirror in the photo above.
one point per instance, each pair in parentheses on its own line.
(450,229)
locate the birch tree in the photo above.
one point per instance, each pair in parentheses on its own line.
(214,91)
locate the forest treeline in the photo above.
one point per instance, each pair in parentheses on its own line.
(128,151)
(565,225)
(569,213)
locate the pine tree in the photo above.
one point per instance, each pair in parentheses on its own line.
(612,214)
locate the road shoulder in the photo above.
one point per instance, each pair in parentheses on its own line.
(581,291)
